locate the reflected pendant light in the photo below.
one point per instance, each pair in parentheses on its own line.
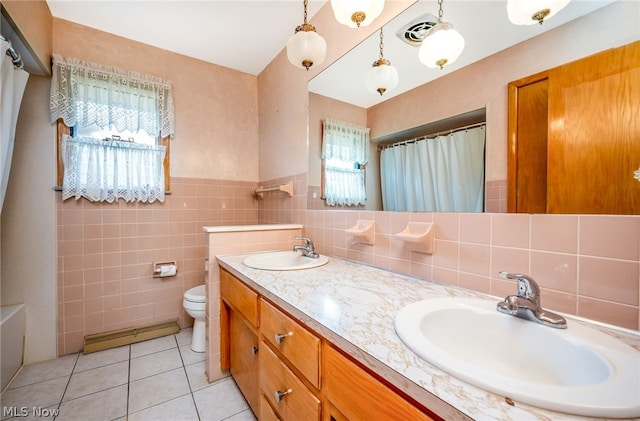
(356,13)
(529,12)
(382,77)
(306,48)
(442,45)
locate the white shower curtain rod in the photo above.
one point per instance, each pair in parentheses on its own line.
(432,135)
(15,57)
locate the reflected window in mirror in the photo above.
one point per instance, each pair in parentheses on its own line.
(345,153)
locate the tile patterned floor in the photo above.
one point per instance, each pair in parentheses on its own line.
(159,379)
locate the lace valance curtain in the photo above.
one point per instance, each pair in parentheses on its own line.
(345,149)
(105,171)
(87,93)
(345,141)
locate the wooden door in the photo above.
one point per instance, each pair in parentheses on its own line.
(574,137)
(527,178)
(594,134)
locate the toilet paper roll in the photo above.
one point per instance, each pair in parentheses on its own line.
(166,270)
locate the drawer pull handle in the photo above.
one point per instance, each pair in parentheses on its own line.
(254,350)
(282,336)
(280,395)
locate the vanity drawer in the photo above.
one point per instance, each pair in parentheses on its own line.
(294,342)
(358,395)
(266,413)
(239,296)
(295,401)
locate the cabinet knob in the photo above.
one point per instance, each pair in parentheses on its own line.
(282,336)
(280,395)
(254,350)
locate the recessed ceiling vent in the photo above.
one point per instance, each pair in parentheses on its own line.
(414,32)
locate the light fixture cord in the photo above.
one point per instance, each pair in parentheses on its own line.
(381,44)
(440,13)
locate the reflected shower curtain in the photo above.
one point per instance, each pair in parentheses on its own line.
(12,83)
(445,174)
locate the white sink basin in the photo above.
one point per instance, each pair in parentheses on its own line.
(283,260)
(578,370)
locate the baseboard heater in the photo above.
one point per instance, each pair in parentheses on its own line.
(115,338)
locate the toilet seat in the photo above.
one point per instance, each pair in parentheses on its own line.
(196,294)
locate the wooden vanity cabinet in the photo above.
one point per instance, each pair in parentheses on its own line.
(297,374)
(239,336)
(353,394)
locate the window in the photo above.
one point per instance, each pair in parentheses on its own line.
(91,103)
(345,153)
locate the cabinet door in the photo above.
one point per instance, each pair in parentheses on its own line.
(354,394)
(243,343)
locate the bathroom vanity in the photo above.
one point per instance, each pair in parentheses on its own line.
(320,344)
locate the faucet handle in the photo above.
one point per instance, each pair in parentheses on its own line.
(307,241)
(527,287)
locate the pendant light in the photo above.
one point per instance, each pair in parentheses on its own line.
(529,12)
(442,45)
(382,76)
(306,48)
(356,13)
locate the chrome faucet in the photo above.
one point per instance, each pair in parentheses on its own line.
(308,249)
(526,304)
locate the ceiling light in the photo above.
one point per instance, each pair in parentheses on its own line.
(442,45)
(382,77)
(529,12)
(306,48)
(356,13)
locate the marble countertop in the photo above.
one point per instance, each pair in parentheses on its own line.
(354,305)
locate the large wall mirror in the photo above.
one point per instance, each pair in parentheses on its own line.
(472,89)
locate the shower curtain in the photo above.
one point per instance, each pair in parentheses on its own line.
(12,83)
(445,174)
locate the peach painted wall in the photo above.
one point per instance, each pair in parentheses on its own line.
(105,252)
(27,253)
(587,265)
(29,226)
(282,93)
(484,83)
(216,108)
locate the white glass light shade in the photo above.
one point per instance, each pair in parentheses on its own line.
(306,49)
(529,12)
(442,45)
(348,12)
(382,78)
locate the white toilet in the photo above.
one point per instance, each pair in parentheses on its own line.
(195,304)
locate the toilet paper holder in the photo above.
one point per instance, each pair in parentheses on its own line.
(165,269)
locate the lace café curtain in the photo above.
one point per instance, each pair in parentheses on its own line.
(345,149)
(84,94)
